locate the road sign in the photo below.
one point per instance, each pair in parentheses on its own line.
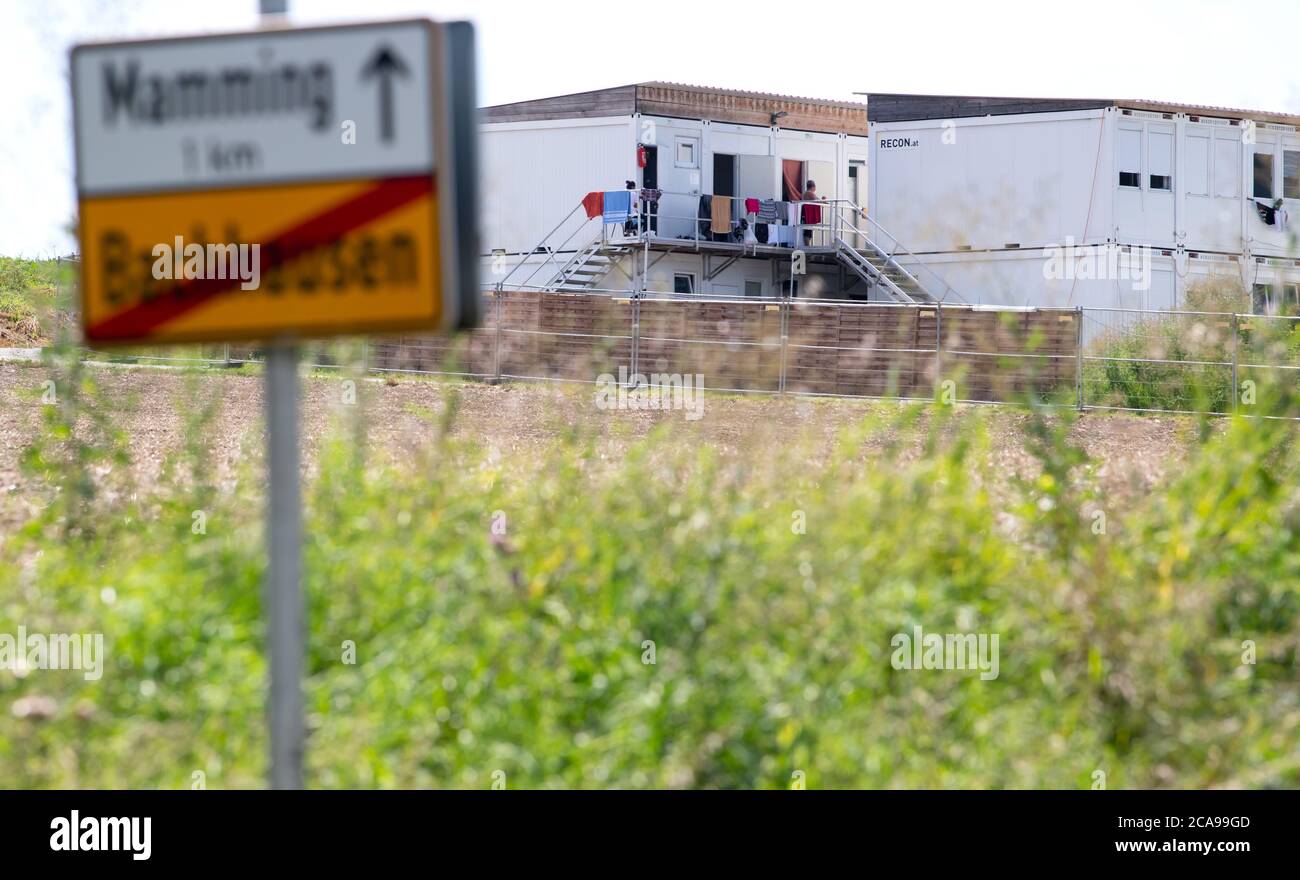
(277,184)
(274,185)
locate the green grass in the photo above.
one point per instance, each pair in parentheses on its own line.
(28,300)
(524,652)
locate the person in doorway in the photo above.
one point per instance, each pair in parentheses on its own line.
(630,227)
(811,214)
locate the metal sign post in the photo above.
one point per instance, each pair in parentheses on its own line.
(286,623)
(284,600)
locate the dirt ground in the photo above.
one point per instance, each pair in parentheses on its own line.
(1134,452)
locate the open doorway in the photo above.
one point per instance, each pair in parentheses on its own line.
(792,177)
(650,181)
(724,175)
(858,196)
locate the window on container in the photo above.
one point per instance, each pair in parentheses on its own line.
(688,153)
(1160,160)
(1263,175)
(1129,157)
(684,282)
(1227,168)
(753,288)
(1291,174)
(1197,166)
(1291,299)
(1259,297)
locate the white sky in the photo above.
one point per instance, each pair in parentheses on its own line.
(1234,53)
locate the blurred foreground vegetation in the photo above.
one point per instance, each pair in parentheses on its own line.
(504,613)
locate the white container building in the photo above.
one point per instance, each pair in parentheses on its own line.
(990,191)
(540,158)
(1006,201)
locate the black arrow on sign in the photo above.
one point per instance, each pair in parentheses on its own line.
(385,64)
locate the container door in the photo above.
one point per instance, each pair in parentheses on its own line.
(757,177)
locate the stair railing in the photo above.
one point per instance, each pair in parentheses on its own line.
(580,258)
(548,250)
(868,269)
(887,257)
(882,234)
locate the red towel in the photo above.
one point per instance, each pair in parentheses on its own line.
(594,202)
(812,214)
(751,206)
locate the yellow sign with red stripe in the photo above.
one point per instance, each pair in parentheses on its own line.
(270,185)
(246,263)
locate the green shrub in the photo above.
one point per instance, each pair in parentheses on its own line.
(1185,362)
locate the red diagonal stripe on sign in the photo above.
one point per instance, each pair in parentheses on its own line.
(384,198)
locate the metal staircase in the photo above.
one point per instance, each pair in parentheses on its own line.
(883,272)
(588,266)
(876,265)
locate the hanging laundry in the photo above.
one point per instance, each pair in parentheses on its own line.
(812,214)
(769,210)
(751,206)
(721,214)
(650,208)
(792,213)
(618,205)
(760,232)
(705,215)
(1266,212)
(594,204)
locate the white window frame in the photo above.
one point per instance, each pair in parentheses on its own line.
(686,140)
(1290,296)
(1170,135)
(691,275)
(1138,130)
(1295,149)
(1271,152)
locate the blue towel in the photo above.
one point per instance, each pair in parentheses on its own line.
(618,205)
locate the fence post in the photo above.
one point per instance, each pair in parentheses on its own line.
(636,332)
(938,350)
(1078,355)
(784,324)
(1236,335)
(496,336)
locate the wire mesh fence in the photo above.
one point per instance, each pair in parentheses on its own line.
(1087,358)
(1181,361)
